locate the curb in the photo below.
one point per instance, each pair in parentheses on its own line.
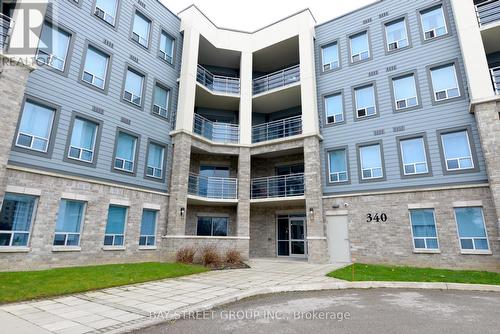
(337,285)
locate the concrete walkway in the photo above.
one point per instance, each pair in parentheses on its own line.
(120,309)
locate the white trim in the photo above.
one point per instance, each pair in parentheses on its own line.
(23,190)
(203,237)
(66,249)
(15,249)
(466,204)
(316,238)
(148,248)
(151,206)
(416,206)
(426,251)
(337,213)
(119,202)
(75,197)
(114,248)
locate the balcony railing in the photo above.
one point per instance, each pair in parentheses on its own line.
(488,12)
(214,131)
(277,79)
(278,186)
(277,129)
(217,83)
(6,24)
(213,187)
(495,77)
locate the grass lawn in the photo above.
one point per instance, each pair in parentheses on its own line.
(368,272)
(17,286)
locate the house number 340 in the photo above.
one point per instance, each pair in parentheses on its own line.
(376,218)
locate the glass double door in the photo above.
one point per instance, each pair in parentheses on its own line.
(291,236)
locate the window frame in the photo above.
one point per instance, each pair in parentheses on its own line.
(426,249)
(137,71)
(69,53)
(212,225)
(146,246)
(115,23)
(174,49)
(400,139)
(97,139)
(446,21)
(342,97)
(417,91)
(88,44)
(470,139)
(32,222)
(355,101)
(157,82)
(360,161)
(140,12)
(133,172)
(165,153)
(82,223)
(349,44)
(326,45)
(474,250)
(125,223)
(327,160)
(458,78)
(405,19)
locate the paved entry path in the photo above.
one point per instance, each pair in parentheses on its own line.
(122,308)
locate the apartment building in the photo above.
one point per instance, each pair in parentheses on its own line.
(372,137)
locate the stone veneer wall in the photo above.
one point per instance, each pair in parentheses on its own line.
(391,242)
(193,211)
(41,254)
(172,244)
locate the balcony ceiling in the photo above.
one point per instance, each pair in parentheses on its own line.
(210,55)
(491,38)
(277,56)
(280,99)
(206,99)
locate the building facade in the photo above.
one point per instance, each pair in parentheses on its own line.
(371,138)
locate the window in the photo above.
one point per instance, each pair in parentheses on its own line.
(53,47)
(161,100)
(471,229)
(330,54)
(212,226)
(69,223)
(106,10)
(35,127)
(115,227)
(360,49)
(433,22)
(166,51)
(134,83)
(457,151)
(148,228)
(83,138)
(405,92)
(423,227)
(445,82)
(334,108)
(337,162)
(140,31)
(396,35)
(371,162)
(413,156)
(365,101)
(125,152)
(155,161)
(16,218)
(95,67)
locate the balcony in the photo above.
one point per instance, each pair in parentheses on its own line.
(6,24)
(495,77)
(214,188)
(225,133)
(284,186)
(217,83)
(277,129)
(277,79)
(488,12)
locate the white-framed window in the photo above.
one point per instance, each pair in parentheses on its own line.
(457,150)
(134,83)
(156,155)
(360,49)
(413,156)
(337,162)
(161,100)
(69,223)
(53,46)
(423,229)
(35,127)
(396,35)
(365,101)
(445,82)
(167,44)
(106,10)
(148,228)
(141,29)
(83,140)
(115,226)
(334,108)
(433,22)
(95,67)
(471,229)
(125,152)
(405,92)
(371,162)
(212,226)
(330,56)
(16,219)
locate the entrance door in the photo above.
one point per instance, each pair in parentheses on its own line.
(338,239)
(291,236)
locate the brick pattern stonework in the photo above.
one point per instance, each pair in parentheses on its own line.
(194,211)
(173,244)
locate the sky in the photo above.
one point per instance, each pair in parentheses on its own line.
(249,15)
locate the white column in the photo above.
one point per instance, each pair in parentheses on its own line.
(246,98)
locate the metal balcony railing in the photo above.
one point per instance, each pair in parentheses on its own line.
(217,83)
(214,131)
(277,79)
(277,129)
(488,12)
(6,24)
(495,77)
(213,187)
(278,186)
